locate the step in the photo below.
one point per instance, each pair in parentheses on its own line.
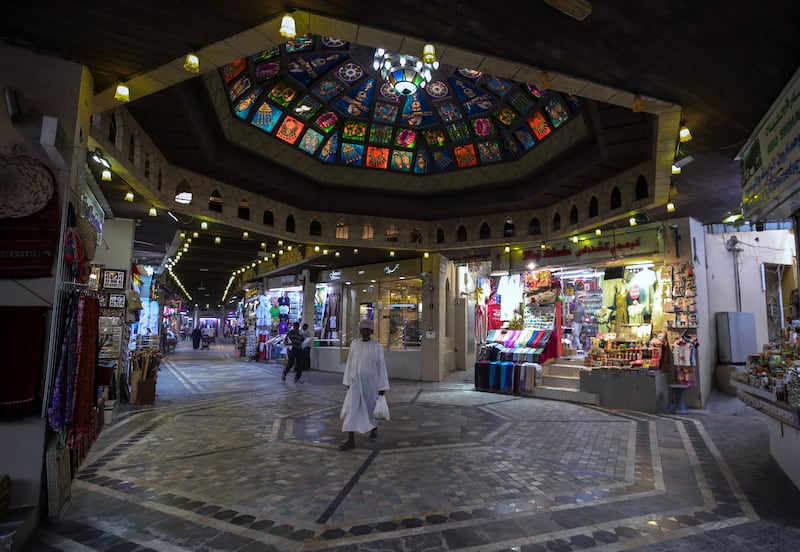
(558,369)
(568,395)
(561,382)
(571,361)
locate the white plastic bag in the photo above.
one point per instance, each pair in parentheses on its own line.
(381,411)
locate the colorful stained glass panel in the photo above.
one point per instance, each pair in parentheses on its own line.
(526,139)
(438,90)
(268,70)
(406,138)
(354,130)
(535,90)
(556,111)
(470,73)
(434,138)
(506,115)
(327,121)
(388,92)
(497,85)
(489,151)
(290,130)
(402,160)
(385,113)
(482,126)
(306,69)
(242,109)
(539,125)
(473,100)
(328,89)
(377,158)
(330,149)
(357,102)
(266,54)
(422,162)
(240,87)
(306,108)
(458,132)
(266,116)
(311,141)
(352,154)
(282,94)
(465,156)
(350,72)
(233,69)
(300,44)
(521,102)
(331,42)
(417,112)
(448,112)
(381,134)
(443,160)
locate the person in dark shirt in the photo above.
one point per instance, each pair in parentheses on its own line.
(294,340)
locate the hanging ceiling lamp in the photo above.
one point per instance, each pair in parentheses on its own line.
(684,133)
(152,212)
(105,176)
(129,196)
(288,28)
(405,73)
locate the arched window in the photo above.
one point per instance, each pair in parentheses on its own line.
(215,202)
(341,230)
(147,165)
(616,198)
(290,224)
(485,232)
(461,234)
(573,214)
(508,229)
(269,218)
(439,235)
(244,210)
(556,222)
(367,232)
(594,210)
(416,235)
(641,188)
(112,129)
(315,228)
(392,233)
(160,179)
(534,227)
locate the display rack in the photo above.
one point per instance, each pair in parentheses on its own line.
(682,320)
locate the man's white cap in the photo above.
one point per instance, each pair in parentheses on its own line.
(366,323)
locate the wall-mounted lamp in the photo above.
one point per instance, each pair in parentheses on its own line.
(670,207)
(676,169)
(129,196)
(192,63)
(598,232)
(152,212)
(122,94)
(105,176)
(632,221)
(574,239)
(204,226)
(288,28)
(683,134)
(391,253)
(245,235)
(195,234)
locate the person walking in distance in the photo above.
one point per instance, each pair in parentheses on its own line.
(366,378)
(305,354)
(294,339)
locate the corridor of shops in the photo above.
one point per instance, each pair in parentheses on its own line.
(229,457)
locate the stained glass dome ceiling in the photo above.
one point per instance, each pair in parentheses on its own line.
(321,96)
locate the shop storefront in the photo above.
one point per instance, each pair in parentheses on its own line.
(599,316)
(389,294)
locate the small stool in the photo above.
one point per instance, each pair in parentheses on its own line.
(678,407)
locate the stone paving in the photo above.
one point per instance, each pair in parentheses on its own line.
(232,458)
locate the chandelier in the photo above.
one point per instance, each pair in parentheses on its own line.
(405,73)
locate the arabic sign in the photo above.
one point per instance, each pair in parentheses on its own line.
(409,268)
(770,161)
(606,248)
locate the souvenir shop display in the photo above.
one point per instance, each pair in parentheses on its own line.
(144,366)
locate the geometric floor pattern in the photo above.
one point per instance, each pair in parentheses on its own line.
(232,458)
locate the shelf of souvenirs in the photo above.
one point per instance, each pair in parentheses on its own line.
(611,351)
(766,401)
(770,382)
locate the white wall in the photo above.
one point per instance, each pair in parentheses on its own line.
(115,250)
(770,246)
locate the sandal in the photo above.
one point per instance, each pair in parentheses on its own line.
(347,445)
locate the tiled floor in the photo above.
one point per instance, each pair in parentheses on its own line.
(232,458)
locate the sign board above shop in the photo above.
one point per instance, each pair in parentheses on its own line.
(640,242)
(392,270)
(770,160)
